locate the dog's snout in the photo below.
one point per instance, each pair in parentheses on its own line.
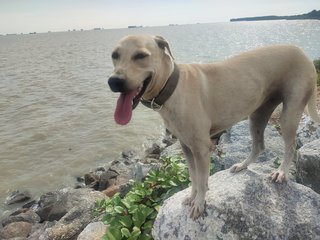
(116,84)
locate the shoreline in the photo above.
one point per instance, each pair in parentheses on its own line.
(100,183)
(67,211)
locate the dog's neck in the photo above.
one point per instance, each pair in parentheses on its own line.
(157,101)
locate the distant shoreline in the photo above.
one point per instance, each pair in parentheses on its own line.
(315,15)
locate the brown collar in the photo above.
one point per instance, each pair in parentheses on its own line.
(157,102)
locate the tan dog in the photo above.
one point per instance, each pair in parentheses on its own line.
(210,98)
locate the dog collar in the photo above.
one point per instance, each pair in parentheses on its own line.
(157,102)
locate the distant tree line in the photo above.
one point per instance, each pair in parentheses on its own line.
(311,15)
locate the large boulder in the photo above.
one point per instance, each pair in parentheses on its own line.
(246,205)
(308,165)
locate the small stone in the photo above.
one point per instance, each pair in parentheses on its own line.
(27,216)
(17,197)
(91,180)
(128,154)
(100,169)
(29,204)
(154,150)
(111,191)
(169,139)
(107,179)
(80,179)
(125,188)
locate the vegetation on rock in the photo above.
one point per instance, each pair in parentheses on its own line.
(132,216)
(317,65)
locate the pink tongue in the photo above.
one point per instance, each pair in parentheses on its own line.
(123,111)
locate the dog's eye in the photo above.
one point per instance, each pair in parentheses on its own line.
(139,56)
(115,55)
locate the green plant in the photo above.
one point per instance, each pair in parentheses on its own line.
(317,65)
(276,162)
(132,217)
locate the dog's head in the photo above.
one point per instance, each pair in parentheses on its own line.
(137,60)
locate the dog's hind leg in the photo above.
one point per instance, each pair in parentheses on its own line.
(289,121)
(192,172)
(258,122)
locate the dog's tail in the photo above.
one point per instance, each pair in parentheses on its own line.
(312,106)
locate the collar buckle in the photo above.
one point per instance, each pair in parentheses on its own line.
(154,106)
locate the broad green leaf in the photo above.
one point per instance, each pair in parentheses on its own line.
(114,233)
(145,236)
(157,208)
(126,221)
(119,209)
(109,209)
(116,200)
(136,232)
(138,219)
(132,209)
(134,198)
(125,232)
(147,225)
(146,211)
(172,183)
(126,202)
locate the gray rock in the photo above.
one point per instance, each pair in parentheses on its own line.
(140,170)
(174,149)
(94,231)
(128,154)
(235,145)
(39,229)
(169,139)
(91,180)
(308,165)
(107,179)
(17,197)
(154,151)
(26,216)
(246,205)
(16,230)
(72,210)
(307,132)
(49,207)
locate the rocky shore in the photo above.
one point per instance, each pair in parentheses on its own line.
(68,213)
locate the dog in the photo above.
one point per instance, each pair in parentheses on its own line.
(197,101)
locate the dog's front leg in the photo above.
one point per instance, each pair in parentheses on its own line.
(201,155)
(192,172)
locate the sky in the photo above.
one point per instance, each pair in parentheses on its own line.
(24,16)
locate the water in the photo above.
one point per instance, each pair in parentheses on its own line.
(57,111)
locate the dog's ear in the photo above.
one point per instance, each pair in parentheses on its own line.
(163,44)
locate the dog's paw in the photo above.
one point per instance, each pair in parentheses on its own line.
(190,199)
(237,167)
(279,176)
(187,201)
(197,208)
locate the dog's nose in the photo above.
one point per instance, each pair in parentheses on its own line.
(116,84)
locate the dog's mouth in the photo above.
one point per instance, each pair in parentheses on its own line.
(128,101)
